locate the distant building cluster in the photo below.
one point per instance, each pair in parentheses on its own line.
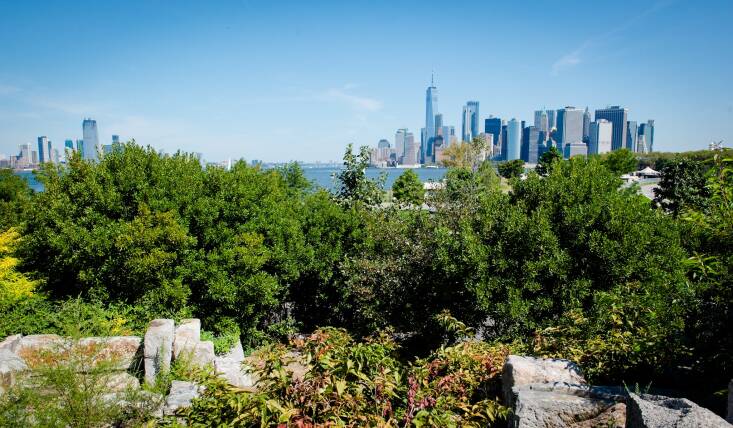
(30,157)
(571,130)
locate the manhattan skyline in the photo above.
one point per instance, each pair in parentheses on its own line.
(294,82)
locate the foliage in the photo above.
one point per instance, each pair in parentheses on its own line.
(329,379)
(354,186)
(163,234)
(15,196)
(464,155)
(511,169)
(408,188)
(547,159)
(658,160)
(683,184)
(14,286)
(620,161)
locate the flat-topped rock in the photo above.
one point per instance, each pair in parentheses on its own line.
(656,411)
(40,349)
(187,335)
(120,352)
(519,370)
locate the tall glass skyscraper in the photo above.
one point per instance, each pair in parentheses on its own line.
(470,128)
(541,121)
(514,140)
(91,139)
(618,118)
(586,126)
(569,126)
(551,120)
(492,126)
(631,132)
(431,108)
(44,150)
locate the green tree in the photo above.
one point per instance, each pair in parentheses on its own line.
(15,196)
(683,184)
(549,157)
(620,161)
(294,178)
(408,188)
(354,185)
(511,169)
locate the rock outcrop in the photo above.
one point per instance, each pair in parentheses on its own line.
(656,411)
(158,345)
(181,395)
(11,366)
(519,370)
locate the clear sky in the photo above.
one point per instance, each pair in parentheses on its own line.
(279,80)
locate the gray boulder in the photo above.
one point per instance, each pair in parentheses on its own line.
(158,345)
(229,367)
(37,349)
(11,366)
(656,411)
(120,381)
(188,334)
(11,342)
(121,352)
(520,371)
(181,395)
(559,404)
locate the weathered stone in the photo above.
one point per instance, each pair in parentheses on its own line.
(729,417)
(158,345)
(181,395)
(229,367)
(11,366)
(559,404)
(120,381)
(138,402)
(613,417)
(39,349)
(203,354)
(122,352)
(520,371)
(188,334)
(656,411)
(11,342)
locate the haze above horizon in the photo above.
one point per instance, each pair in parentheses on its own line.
(293,81)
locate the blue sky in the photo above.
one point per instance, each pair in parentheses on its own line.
(299,80)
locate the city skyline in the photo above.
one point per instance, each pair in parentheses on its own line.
(213,80)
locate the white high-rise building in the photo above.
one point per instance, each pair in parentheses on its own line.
(91,140)
(601,137)
(399,142)
(470,128)
(541,121)
(514,140)
(569,126)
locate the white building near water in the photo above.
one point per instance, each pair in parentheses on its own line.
(91,140)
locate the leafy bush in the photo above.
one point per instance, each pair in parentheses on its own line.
(330,379)
(15,197)
(511,169)
(408,188)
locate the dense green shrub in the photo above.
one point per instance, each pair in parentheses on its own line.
(15,197)
(408,188)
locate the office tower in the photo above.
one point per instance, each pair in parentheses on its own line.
(551,120)
(80,147)
(492,126)
(532,140)
(55,158)
(383,144)
(431,108)
(470,128)
(586,126)
(645,137)
(411,150)
(541,121)
(399,142)
(601,136)
(514,140)
(69,144)
(575,149)
(503,147)
(631,133)
(91,139)
(115,139)
(43,150)
(617,116)
(569,126)
(438,121)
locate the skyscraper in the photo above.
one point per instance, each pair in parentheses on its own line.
(532,138)
(492,126)
(541,121)
(383,144)
(569,126)
(470,128)
(575,149)
(431,108)
(601,135)
(69,144)
(399,142)
(91,139)
(586,126)
(551,120)
(646,137)
(514,136)
(411,150)
(618,117)
(631,133)
(44,150)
